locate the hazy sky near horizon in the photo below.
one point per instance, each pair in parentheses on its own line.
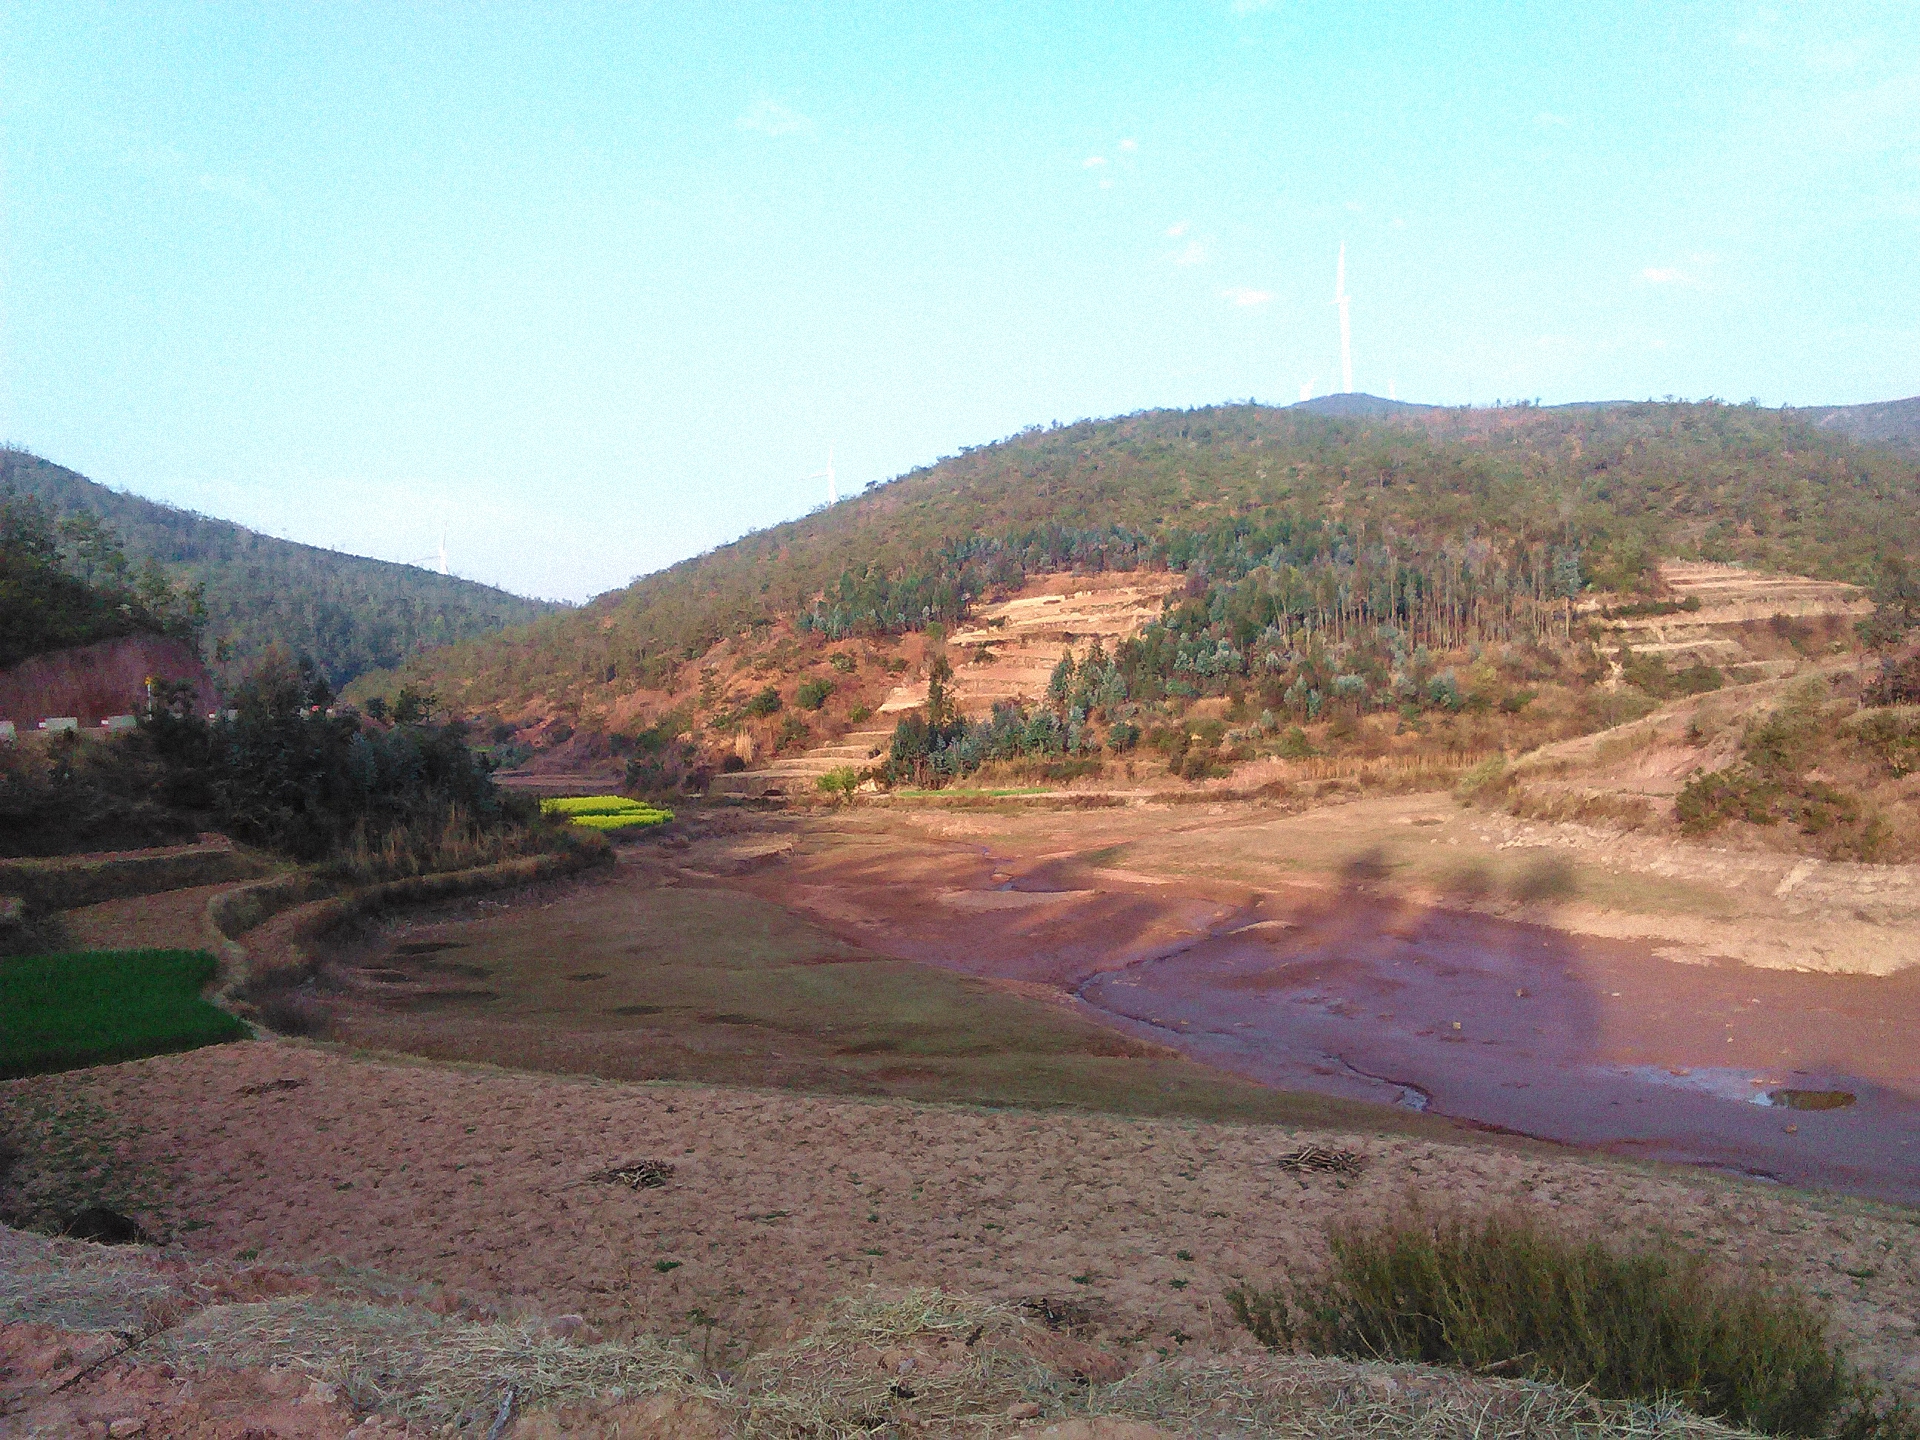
(595,287)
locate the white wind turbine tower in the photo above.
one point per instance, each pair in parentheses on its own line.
(1340,299)
(441,557)
(833,490)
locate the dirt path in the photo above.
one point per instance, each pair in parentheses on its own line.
(776,1203)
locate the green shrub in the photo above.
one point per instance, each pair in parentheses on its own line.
(1745,792)
(766,703)
(1294,745)
(840,782)
(1890,738)
(812,694)
(1488,778)
(859,713)
(99,1006)
(1508,1295)
(1514,703)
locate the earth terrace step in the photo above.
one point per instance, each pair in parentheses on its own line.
(753,783)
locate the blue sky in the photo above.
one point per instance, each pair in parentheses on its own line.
(596,287)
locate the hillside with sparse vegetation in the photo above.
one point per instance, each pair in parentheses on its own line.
(1343,581)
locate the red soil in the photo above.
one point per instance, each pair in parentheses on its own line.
(95,681)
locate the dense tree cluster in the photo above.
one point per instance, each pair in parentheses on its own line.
(285,770)
(70,583)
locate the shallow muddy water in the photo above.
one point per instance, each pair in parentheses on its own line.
(1525,1028)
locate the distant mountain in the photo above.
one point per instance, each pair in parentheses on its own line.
(1886,422)
(1358,404)
(1889,422)
(349,613)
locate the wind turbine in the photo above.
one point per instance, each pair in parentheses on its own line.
(1340,299)
(441,557)
(833,491)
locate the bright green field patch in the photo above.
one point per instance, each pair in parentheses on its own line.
(59,1012)
(606,812)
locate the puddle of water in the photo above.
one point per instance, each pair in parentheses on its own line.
(1727,1084)
(1742,1085)
(1811,1099)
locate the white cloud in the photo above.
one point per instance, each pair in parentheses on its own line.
(1247,297)
(1093,162)
(1176,230)
(770,117)
(1397,223)
(1106,184)
(1251,7)
(1194,254)
(1696,269)
(1354,207)
(1127,147)
(1547,119)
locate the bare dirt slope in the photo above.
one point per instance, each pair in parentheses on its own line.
(91,682)
(777,1203)
(1007,650)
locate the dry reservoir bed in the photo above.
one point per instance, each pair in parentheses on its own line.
(1404,951)
(777,1203)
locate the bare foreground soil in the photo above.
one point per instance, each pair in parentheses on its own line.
(483,1181)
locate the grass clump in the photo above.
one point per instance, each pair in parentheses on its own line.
(1509,1296)
(98,1006)
(606,812)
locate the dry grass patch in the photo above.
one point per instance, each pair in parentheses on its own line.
(1506,1294)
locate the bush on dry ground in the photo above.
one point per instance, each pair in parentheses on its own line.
(1507,1295)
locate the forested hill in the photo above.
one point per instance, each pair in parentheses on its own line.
(1892,422)
(1403,510)
(348,613)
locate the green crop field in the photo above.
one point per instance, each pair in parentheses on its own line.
(97,1006)
(606,812)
